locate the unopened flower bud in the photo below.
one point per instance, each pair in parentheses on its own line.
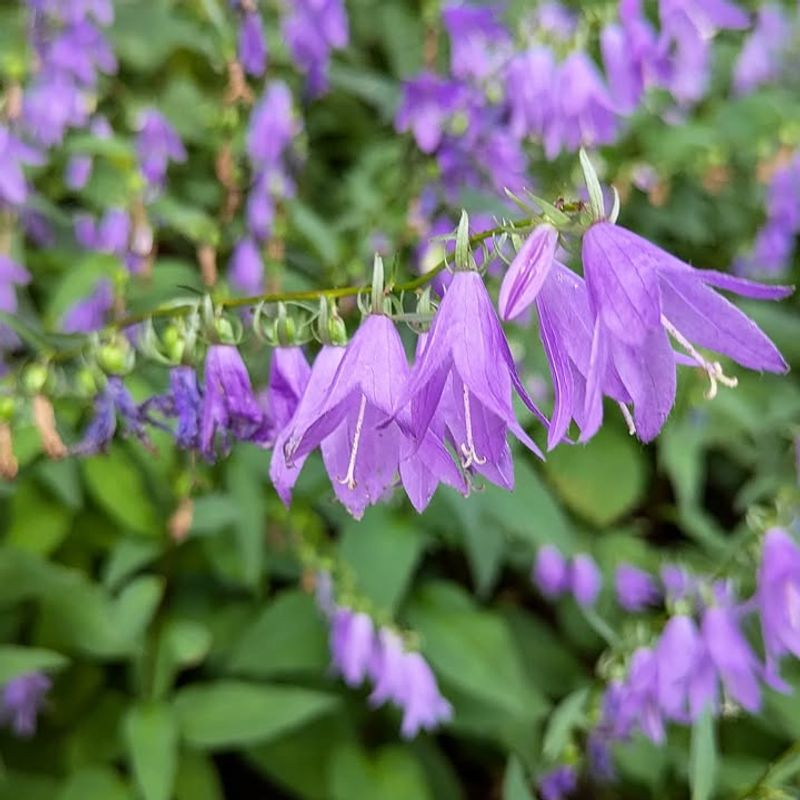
(45,420)
(174,343)
(115,358)
(224,331)
(7,408)
(86,382)
(285,327)
(34,378)
(8,461)
(337,330)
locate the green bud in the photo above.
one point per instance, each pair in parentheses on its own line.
(87,384)
(337,331)
(464,259)
(174,343)
(7,408)
(115,358)
(34,378)
(224,331)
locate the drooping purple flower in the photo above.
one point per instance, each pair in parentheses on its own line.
(353,642)
(252,47)
(283,473)
(582,112)
(638,294)
(156,145)
(779,598)
(529,79)
(289,375)
(50,107)
(112,403)
(635,588)
(478,41)
(467,366)
(312,28)
(429,102)
(585,579)
(90,313)
(637,704)
(598,753)
(272,125)
(527,272)
(22,701)
(14,155)
(229,407)
(761,57)
(558,783)
(246,270)
(732,657)
(678,583)
(686,679)
(551,571)
(185,404)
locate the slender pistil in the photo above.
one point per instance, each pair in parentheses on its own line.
(468,449)
(349,480)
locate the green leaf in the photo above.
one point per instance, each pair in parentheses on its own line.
(27,786)
(703,758)
(197,778)
(227,714)
(603,480)
(515,783)
(151,736)
(567,716)
(128,556)
(95,783)
(38,523)
(288,636)
(473,649)
(16,660)
(391,774)
(245,475)
(118,487)
(383,552)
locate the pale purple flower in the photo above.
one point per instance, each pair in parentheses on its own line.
(230,409)
(678,583)
(424,708)
(529,79)
(429,103)
(156,145)
(779,598)
(272,126)
(113,402)
(761,58)
(90,313)
(478,41)
(352,642)
(78,172)
(636,589)
(246,269)
(22,701)
(289,375)
(551,571)
(637,704)
(558,783)
(582,112)
(639,296)
(686,680)
(14,156)
(466,370)
(527,272)
(252,46)
(80,52)
(50,107)
(312,28)
(584,579)
(283,473)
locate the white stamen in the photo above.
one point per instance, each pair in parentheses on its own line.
(712,368)
(468,449)
(349,480)
(628,418)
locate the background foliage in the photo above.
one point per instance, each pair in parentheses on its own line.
(197,666)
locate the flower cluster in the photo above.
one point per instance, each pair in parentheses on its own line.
(762,57)
(702,655)
(361,652)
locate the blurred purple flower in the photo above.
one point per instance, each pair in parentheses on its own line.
(14,155)
(551,572)
(529,79)
(252,45)
(289,375)
(478,41)
(761,58)
(91,313)
(585,579)
(353,643)
(558,783)
(429,102)
(635,588)
(22,701)
(156,145)
(246,270)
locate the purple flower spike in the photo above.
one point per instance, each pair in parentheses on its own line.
(466,370)
(424,708)
(585,580)
(551,572)
(558,783)
(229,406)
(528,272)
(639,297)
(779,599)
(157,145)
(353,645)
(252,46)
(761,58)
(636,589)
(22,700)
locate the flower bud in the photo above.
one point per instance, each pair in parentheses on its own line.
(115,358)
(337,330)
(34,378)
(7,408)
(464,259)
(86,382)
(593,186)
(224,331)
(528,272)
(174,343)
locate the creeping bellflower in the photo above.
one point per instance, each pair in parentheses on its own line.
(467,366)
(428,104)
(558,783)
(246,270)
(636,588)
(252,48)
(779,598)
(353,643)
(585,579)
(156,145)
(22,700)
(639,297)
(289,374)
(527,272)
(551,571)
(229,406)
(478,42)
(91,313)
